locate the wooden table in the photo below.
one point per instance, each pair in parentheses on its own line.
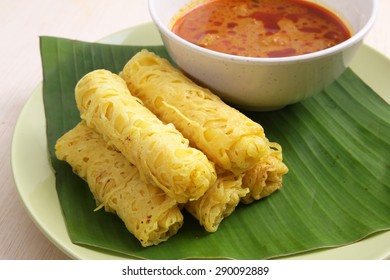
(21,24)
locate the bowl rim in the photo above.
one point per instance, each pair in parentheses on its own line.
(353,40)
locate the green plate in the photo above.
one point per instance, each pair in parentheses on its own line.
(35,179)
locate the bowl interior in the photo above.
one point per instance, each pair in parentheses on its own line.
(357,16)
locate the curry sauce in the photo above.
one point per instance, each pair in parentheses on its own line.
(262,28)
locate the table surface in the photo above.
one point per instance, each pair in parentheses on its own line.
(21,24)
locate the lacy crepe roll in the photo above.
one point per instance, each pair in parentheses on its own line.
(161,153)
(266,177)
(148,213)
(218,202)
(226,136)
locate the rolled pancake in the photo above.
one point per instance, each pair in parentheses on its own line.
(218,202)
(228,138)
(148,213)
(266,177)
(160,152)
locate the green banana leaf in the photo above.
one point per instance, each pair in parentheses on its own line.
(336,145)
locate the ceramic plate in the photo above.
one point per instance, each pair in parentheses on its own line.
(35,179)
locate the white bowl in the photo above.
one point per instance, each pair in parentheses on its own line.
(264,84)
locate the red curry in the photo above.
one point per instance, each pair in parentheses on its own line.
(262,28)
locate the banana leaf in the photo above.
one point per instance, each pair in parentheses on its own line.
(336,145)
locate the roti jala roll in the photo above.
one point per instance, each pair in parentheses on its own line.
(148,213)
(266,177)
(218,202)
(160,152)
(229,138)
